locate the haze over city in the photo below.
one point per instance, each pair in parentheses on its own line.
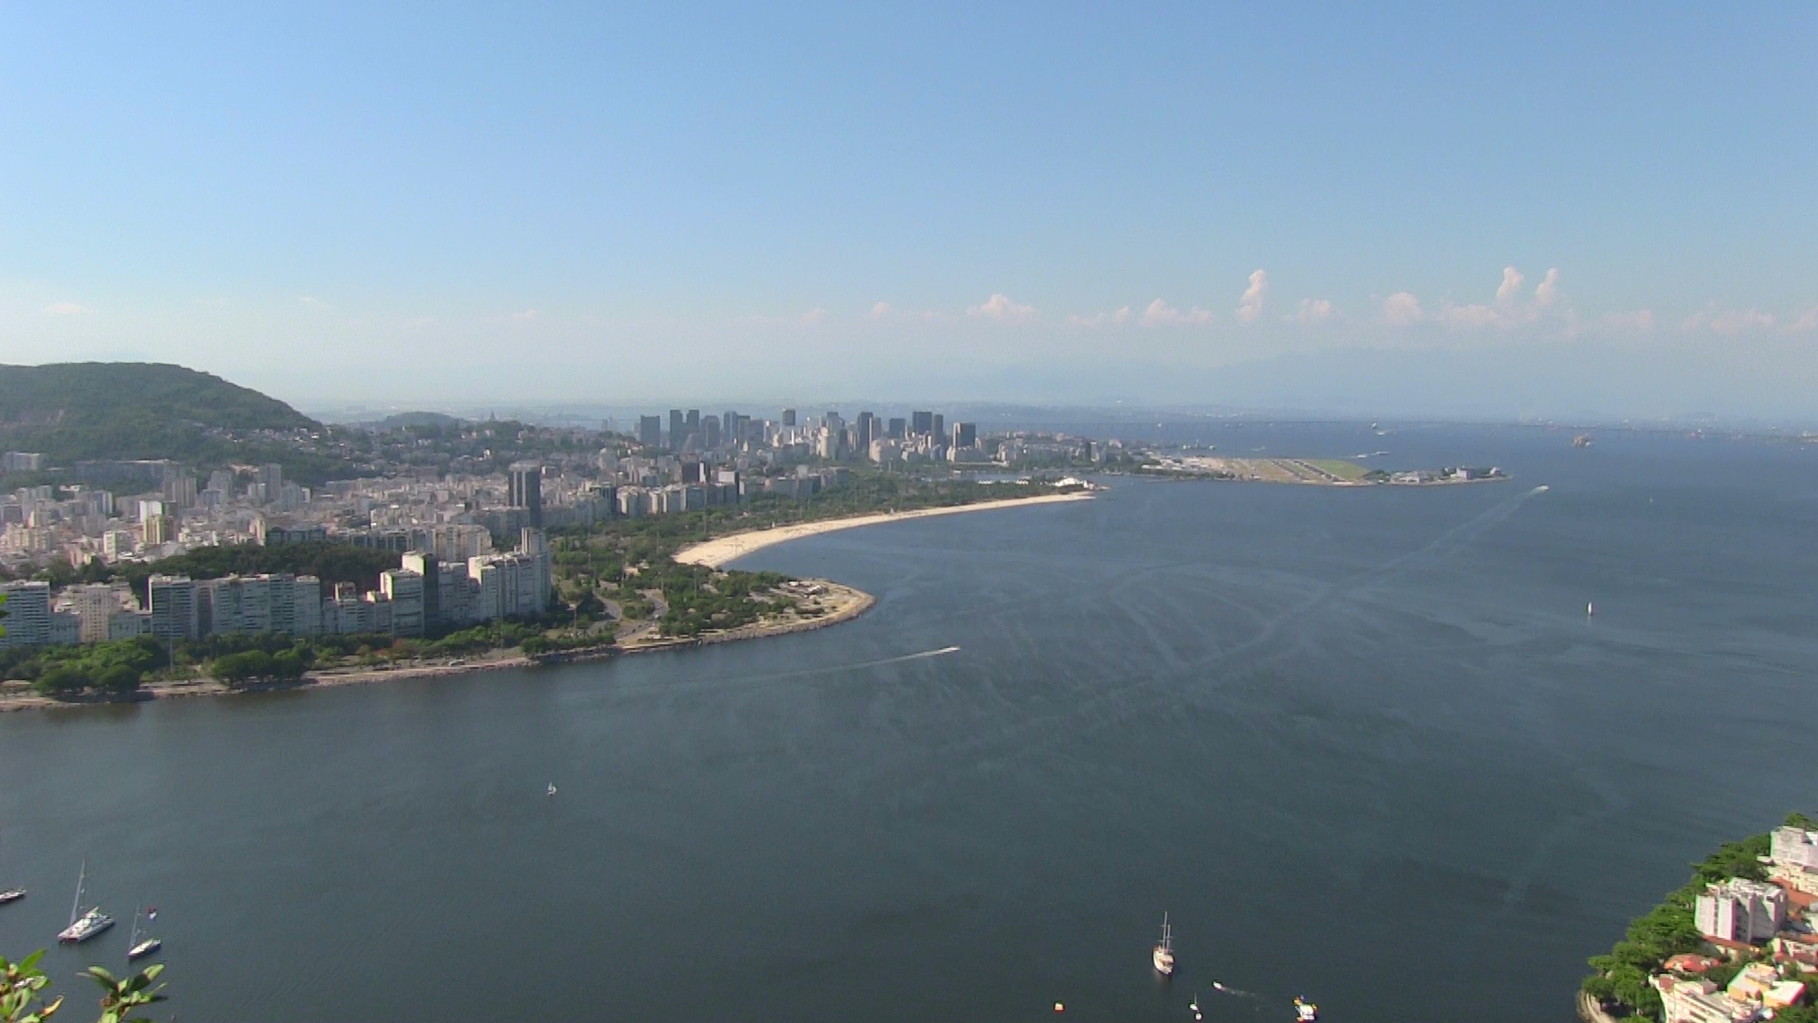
(1553,208)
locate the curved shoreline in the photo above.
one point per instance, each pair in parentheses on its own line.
(849,603)
(720,550)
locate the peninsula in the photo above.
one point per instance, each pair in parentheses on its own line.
(427,545)
(1737,943)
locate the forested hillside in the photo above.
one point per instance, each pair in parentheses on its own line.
(131,410)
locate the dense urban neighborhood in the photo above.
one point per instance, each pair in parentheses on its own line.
(1737,944)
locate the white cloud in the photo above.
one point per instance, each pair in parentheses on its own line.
(1119,315)
(1313,310)
(1510,286)
(1161,314)
(526,314)
(1000,307)
(1401,309)
(1547,291)
(66,309)
(1807,320)
(879,311)
(1250,305)
(1728,322)
(310,300)
(815,315)
(1509,310)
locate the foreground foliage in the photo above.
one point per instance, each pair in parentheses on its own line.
(23,993)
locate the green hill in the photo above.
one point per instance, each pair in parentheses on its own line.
(132,410)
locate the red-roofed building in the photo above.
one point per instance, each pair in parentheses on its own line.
(1691,962)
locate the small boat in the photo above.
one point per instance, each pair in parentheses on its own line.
(83,926)
(1163,956)
(1590,610)
(139,949)
(1305,1011)
(552,789)
(11,895)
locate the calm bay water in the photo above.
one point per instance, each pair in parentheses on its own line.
(1359,744)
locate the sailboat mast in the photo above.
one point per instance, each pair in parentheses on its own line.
(75,908)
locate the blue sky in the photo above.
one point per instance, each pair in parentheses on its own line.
(1027,201)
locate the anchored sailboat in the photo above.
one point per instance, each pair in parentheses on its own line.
(1164,950)
(140,949)
(83,926)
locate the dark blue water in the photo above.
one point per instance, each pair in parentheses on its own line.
(1361,744)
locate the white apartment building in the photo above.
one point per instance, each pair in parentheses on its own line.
(1739,910)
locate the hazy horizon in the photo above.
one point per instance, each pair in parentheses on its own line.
(1395,211)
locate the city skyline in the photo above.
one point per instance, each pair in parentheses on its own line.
(1563,210)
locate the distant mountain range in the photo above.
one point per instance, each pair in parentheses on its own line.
(77,411)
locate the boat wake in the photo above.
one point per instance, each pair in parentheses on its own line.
(924,655)
(1226,989)
(835,669)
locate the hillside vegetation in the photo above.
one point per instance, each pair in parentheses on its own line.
(132,410)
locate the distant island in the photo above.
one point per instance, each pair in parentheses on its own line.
(1327,472)
(1735,944)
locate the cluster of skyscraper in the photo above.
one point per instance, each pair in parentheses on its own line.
(922,435)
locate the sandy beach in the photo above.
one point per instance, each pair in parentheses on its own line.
(717,552)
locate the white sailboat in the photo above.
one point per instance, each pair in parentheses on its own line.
(83,926)
(1164,950)
(139,949)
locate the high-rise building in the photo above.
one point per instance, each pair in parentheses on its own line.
(691,428)
(277,602)
(535,545)
(899,428)
(180,489)
(710,433)
(866,429)
(938,428)
(94,604)
(921,423)
(729,426)
(965,435)
(527,491)
(159,529)
(271,475)
(173,606)
(424,564)
(405,589)
(677,429)
(650,431)
(28,614)
(789,417)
